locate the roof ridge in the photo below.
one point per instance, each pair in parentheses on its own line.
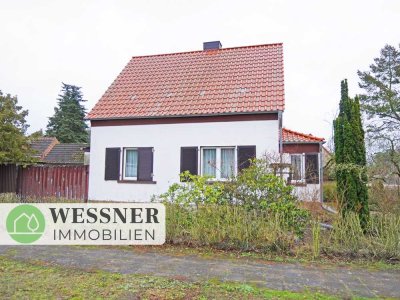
(63,144)
(45,138)
(210,50)
(304,134)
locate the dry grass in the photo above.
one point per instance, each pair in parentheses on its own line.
(347,240)
(228,227)
(12,198)
(237,229)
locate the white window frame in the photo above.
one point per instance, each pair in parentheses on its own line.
(124,164)
(218,161)
(303,166)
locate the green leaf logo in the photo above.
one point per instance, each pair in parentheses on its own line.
(25,224)
(33,224)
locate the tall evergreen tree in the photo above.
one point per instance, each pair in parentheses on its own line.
(68,124)
(14,145)
(351,157)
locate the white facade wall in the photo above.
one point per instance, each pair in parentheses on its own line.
(309,192)
(167,139)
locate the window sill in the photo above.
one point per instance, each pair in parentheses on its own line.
(137,181)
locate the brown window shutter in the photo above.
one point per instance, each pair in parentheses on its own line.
(189,160)
(312,168)
(244,155)
(112,163)
(145,164)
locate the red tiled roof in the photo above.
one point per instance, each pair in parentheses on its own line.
(222,81)
(290,136)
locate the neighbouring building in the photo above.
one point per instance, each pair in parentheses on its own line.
(48,150)
(206,111)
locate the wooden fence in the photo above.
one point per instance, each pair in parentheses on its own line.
(8,178)
(70,182)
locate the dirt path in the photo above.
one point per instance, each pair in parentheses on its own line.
(281,276)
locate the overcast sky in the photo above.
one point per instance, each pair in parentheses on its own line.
(87,43)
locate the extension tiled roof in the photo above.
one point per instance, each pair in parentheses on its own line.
(66,154)
(291,136)
(219,81)
(43,145)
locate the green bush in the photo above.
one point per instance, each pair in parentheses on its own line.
(254,188)
(254,198)
(195,190)
(257,188)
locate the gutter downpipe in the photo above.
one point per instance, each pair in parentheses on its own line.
(280,138)
(321,177)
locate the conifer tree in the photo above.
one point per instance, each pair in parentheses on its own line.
(351,157)
(67,124)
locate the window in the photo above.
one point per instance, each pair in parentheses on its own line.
(227,162)
(305,168)
(210,162)
(218,162)
(130,163)
(297,167)
(312,168)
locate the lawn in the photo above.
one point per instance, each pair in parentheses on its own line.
(35,280)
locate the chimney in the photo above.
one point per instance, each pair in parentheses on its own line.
(212,45)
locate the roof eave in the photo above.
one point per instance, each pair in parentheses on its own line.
(316,142)
(185,116)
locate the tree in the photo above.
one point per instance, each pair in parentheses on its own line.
(381,103)
(14,145)
(68,124)
(350,157)
(36,135)
(381,168)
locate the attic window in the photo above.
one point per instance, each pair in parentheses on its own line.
(168,95)
(202,93)
(133,97)
(242,90)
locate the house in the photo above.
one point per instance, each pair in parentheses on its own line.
(48,150)
(205,111)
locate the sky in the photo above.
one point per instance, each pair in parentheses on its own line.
(87,43)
